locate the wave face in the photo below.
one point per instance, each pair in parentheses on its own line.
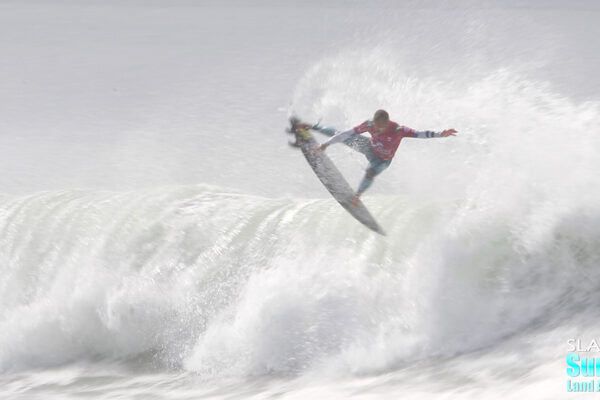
(231,285)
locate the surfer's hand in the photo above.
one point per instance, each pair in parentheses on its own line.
(449,132)
(319,148)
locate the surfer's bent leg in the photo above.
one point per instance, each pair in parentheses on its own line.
(325,130)
(376,166)
(360,144)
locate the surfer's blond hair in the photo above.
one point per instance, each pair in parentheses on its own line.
(381,115)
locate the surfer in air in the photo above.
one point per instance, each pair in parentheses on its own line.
(386,136)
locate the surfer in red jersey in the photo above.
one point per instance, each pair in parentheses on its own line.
(386,136)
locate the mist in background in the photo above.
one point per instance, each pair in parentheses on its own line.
(120,95)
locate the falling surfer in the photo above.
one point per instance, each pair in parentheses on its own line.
(386,136)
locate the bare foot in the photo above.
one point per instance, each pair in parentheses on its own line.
(355,200)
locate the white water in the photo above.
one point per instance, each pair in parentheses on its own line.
(158,238)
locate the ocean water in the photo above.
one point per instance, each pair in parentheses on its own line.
(160,240)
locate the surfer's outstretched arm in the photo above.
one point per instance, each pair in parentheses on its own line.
(338,137)
(432,134)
